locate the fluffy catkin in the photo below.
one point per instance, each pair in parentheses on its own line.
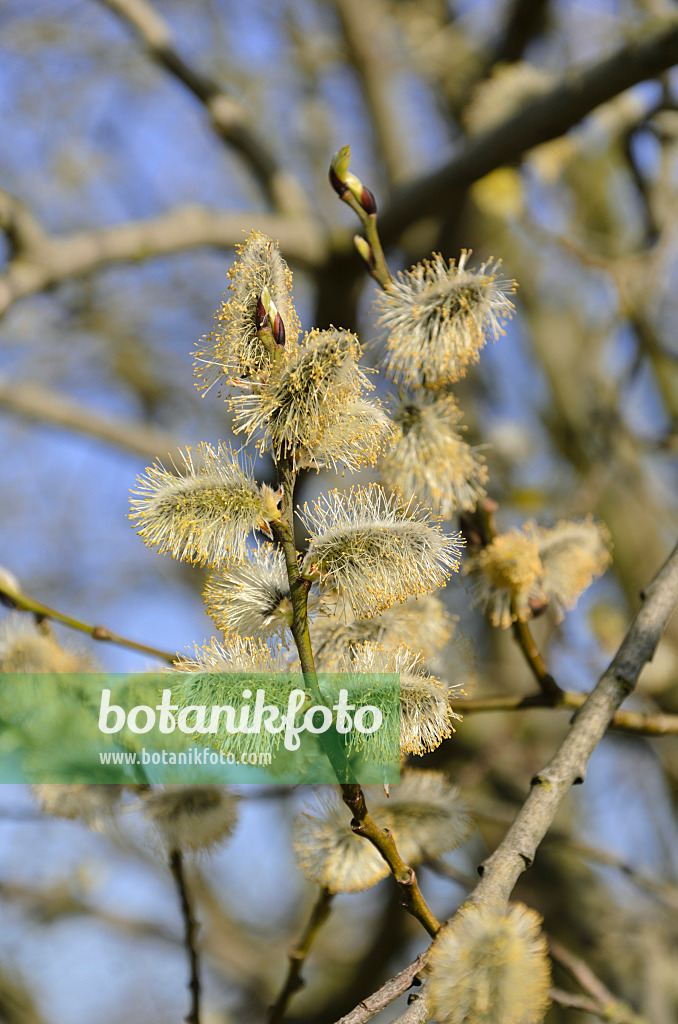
(490,966)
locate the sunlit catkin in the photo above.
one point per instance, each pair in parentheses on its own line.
(572,555)
(206,514)
(439,315)
(422,622)
(506,576)
(426,716)
(376,552)
(429,458)
(251,598)
(490,966)
(234,352)
(302,403)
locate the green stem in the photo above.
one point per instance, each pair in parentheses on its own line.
(24,603)
(378,267)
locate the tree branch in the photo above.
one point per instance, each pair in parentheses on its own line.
(54,259)
(190,932)
(500,872)
(654,49)
(13,598)
(385,995)
(364,22)
(42,405)
(297,956)
(638,722)
(230,119)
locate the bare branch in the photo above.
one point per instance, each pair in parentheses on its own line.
(230,119)
(385,995)
(55,259)
(294,981)
(22,229)
(364,22)
(42,405)
(653,50)
(638,722)
(516,852)
(176,862)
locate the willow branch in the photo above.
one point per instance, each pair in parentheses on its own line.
(22,602)
(297,956)
(500,872)
(653,50)
(638,722)
(52,259)
(363,22)
(230,119)
(190,933)
(39,404)
(385,995)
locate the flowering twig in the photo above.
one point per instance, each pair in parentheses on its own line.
(297,956)
(190,930)
(352,192)
(362,824)
(22,602)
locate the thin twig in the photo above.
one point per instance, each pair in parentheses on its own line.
(22,602)
(638,722)
(190,933)
(294,981)
(231,121)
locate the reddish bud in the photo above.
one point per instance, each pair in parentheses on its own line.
(261,315)
(367,201)
(337,184)
(279,330)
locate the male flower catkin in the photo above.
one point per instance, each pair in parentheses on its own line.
(251,598)
(490,966)
(216,675)
(235,350)
(424,812)
(429,458)
(572,555)
(376,552)
(425,714)
(506,577)
(535,566)
(191,817)
(305,407)
(206,514)
(423,622)
(439,315)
